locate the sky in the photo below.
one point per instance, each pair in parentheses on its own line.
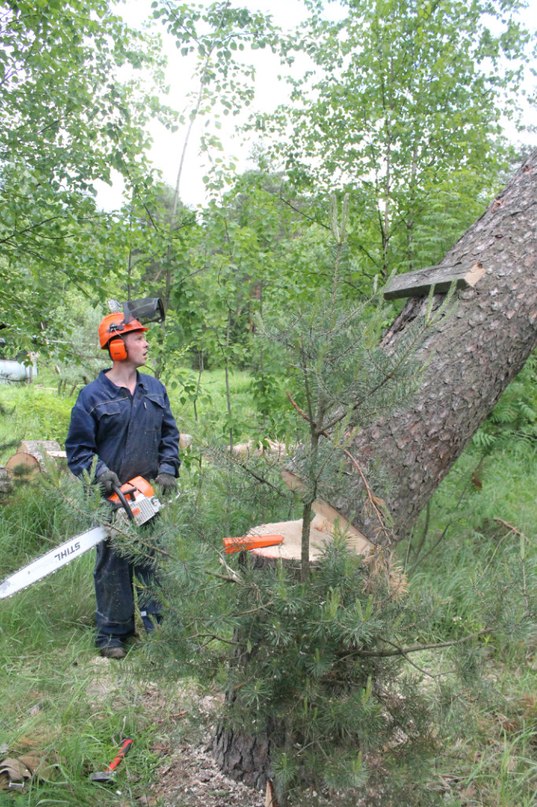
(167,146)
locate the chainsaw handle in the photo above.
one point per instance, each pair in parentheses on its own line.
(123,499)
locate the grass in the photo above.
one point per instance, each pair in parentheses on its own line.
(71,709)
(479,565)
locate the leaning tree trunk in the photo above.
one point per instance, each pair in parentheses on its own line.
(470,359)
(471,356)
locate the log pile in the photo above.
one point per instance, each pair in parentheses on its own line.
(33,456)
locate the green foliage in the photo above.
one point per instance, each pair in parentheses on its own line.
(338,379)
(401,109)
(303,678)
(477,565)
(219,36)
(61,65)
(302,671)
(35,415)
(474,552)
(513,420)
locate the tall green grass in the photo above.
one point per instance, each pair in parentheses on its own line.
(478,565)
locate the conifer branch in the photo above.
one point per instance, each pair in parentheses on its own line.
(416,648)
(373,500)
(257,477)
(213,637)
(509,527)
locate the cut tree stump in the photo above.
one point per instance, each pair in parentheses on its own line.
(42,450)
(23,466)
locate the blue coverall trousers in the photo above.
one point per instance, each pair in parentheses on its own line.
(115,577)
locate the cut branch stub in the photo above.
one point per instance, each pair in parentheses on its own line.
(436,278)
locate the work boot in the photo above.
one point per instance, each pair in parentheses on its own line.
(115,651)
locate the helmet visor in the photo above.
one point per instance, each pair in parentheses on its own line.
(147,309)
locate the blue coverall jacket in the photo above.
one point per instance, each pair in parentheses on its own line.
(133,435)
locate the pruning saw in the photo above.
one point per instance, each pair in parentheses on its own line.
(135,501)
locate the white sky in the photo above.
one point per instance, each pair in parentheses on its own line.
(167,147)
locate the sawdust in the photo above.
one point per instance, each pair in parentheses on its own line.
(189,777)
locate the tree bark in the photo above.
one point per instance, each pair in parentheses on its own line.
(468,360)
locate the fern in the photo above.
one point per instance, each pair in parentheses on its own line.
(514,418)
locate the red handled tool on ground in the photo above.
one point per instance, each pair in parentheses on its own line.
(108,775)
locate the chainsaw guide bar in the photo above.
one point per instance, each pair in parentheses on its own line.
(51,561)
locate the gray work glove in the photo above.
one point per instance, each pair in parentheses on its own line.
(166,482)
(108,480)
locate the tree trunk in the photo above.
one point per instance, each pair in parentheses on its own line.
(469,359)
(243,756)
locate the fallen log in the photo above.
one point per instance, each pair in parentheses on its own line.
(33,456)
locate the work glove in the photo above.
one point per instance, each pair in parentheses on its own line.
(166,482)
(108,480)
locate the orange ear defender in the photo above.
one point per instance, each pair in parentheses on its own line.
(117,349)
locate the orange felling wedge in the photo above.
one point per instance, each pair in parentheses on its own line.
(250,542)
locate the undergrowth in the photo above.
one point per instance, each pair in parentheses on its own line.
(471,567)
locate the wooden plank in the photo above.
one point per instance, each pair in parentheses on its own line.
(420,283)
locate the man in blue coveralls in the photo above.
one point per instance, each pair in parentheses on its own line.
(122,423)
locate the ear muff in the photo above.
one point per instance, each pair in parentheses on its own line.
(117,349)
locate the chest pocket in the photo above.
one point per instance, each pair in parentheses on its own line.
(110,415)
(153,406)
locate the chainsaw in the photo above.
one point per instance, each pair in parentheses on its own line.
(134,502)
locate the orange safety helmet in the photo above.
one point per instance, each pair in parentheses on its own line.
(111,328)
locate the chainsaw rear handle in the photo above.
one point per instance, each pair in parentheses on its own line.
(123,499)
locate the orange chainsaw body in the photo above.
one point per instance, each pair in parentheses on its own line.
(140,496)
